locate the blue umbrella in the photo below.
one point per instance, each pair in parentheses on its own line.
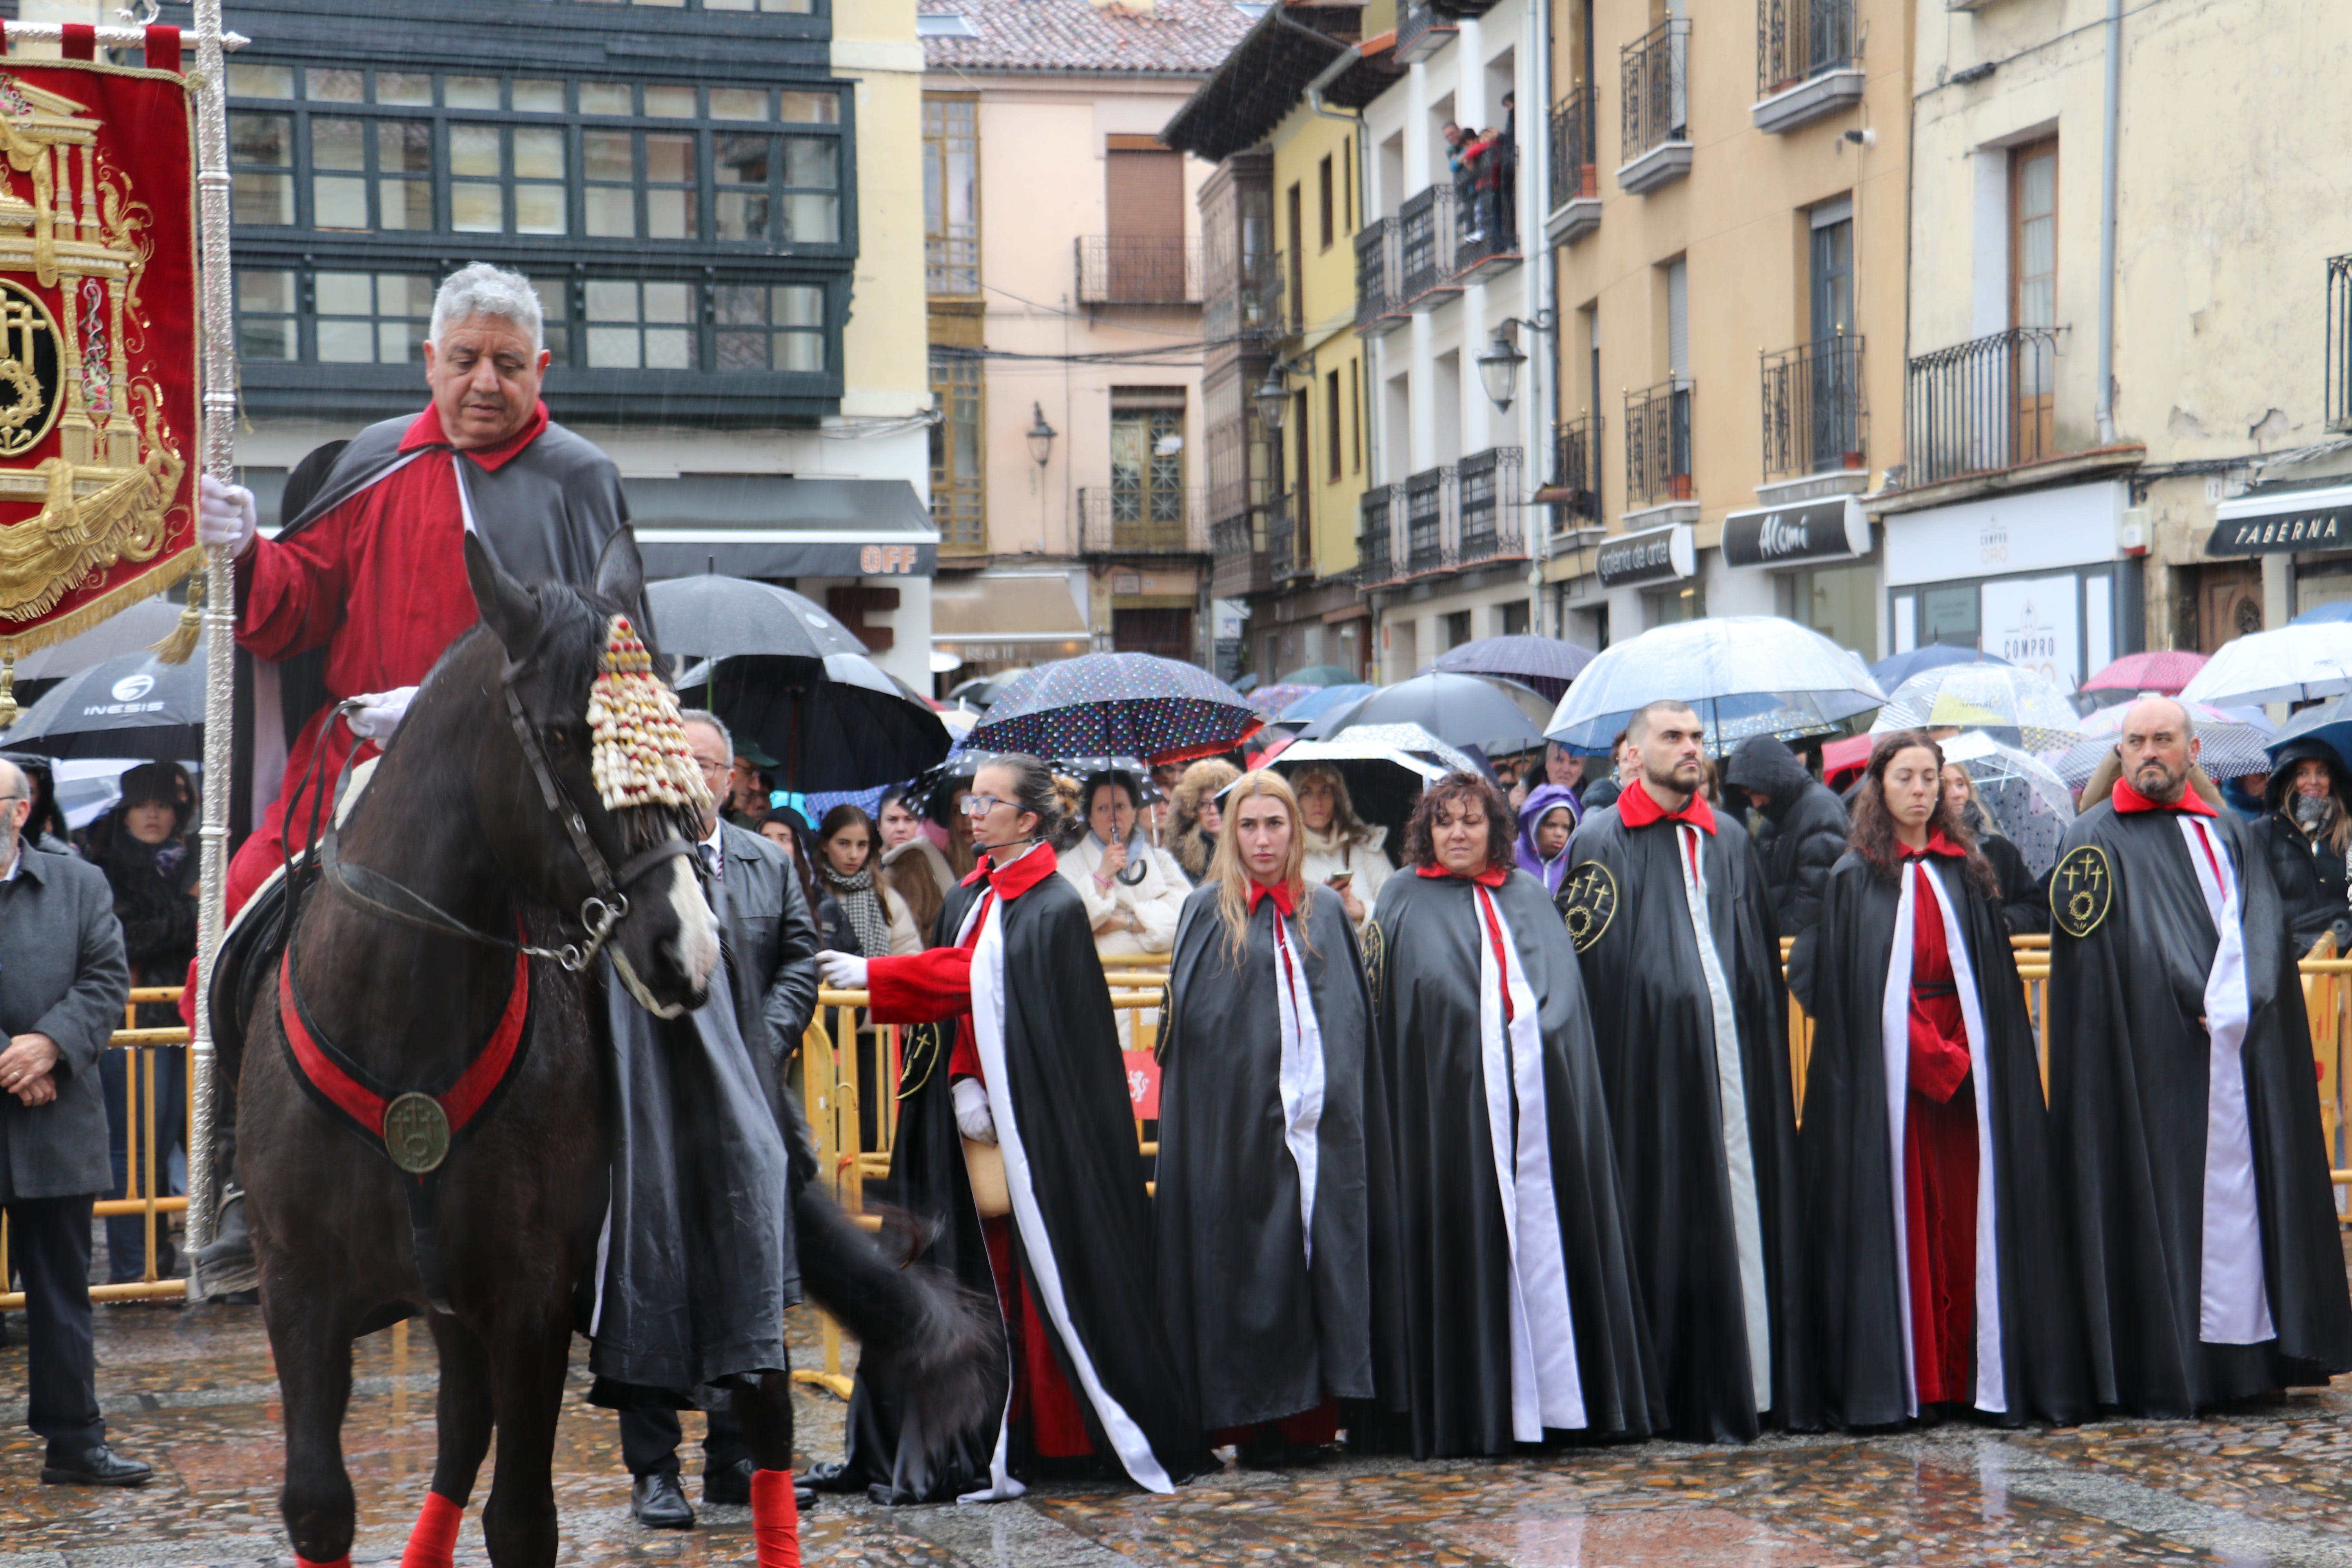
(1116,704)
(2330,722)
(2320,614)
(1316,703)
(1546,664)
(1894,671)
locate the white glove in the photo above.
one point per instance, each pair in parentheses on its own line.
(972,1114)
(225,515)
(380,713)
(842,971)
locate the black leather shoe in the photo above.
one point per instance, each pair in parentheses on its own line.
(659,1502)
(98,1466)
(728,1485)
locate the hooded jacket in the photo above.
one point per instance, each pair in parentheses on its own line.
(1541,801)
(2309,873)
(1809,828)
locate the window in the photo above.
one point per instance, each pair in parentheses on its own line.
(769,327)
(639,325)
(489,163)
(951,194)
(1331,421)
(1511,618)
(1347,183)
(958,491)
(267,328)
(261,168)
(372,318)
(1146,466)
(1324,208)
(1454,629)
(2033,286)
(1355,418)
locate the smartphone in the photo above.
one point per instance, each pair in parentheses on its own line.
(1340,882)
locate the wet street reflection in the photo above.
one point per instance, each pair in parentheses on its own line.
(192,1391)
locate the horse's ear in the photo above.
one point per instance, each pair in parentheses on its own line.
(506,605)
(620,569)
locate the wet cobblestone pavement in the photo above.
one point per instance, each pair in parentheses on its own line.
(191,1392)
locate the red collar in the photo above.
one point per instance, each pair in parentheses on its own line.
(426,432)
(1937,845)
(2128,799)
(1016,877)
(1278,891)
(1493,877)
(1637,807)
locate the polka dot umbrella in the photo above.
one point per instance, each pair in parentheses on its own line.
(1116,704)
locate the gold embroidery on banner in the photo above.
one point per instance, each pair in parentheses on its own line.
(1588,902)
(2082,891)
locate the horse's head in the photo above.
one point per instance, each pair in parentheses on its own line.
(558,643)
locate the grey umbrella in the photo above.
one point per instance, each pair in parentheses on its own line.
(1459,710)
(134,706)
(711,616)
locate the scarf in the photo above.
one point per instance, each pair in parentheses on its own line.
(864,908)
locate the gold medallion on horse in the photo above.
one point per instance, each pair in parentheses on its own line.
(1588,903)
(2082,891)
(417,1133)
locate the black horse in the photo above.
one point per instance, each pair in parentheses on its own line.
(468,813)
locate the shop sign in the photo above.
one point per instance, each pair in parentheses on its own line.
(2034,624)
(1654,555)
(2039,530)
(1836,528)
(2283,523)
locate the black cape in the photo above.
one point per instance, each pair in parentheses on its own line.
(1069,1100)
(1855,1302)
(2128,1085)
(1424,951)
(1259,1331)
(1654,1028)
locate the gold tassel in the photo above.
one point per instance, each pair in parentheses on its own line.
(180,644)
(8,708)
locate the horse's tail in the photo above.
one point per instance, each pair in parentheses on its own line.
(944,1342)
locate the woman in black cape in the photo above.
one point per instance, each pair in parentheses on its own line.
(1274,1159)
(1907,1309)
(1521,1321)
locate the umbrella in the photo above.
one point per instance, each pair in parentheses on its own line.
(2231,742)
(1893,672)
(2293,664)
(1460,709)
(1547,664)
(2322,615)
(2330,722)
(1321,675)
(1118,704)
(2166,671)
(1385,766)
(1746,675)
(133,706)
(983,689)
(1270,701)
(716,617)
(840,723)
(127,634)
(1321,701)
(2024,795)
(1851,753)
(1983,697)
(1247,683)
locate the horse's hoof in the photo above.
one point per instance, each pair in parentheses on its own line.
(659,1502)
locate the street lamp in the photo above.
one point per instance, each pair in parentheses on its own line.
(1040,436)
(1498,370)
(1272,399)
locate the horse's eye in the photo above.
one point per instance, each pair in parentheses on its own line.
(558,736)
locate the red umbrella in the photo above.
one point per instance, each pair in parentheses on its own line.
(2166,671)
(1849,755)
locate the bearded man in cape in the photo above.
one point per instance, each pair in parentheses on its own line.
(1667,903)
(2184,1117)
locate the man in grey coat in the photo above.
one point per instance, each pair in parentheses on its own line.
(771,946)
(63,983)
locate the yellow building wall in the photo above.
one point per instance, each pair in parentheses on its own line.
(1327,314)
(884,353)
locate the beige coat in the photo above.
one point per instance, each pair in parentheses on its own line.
(1154,901)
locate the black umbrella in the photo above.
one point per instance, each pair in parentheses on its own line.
(134,706)
(849,727)
(719,618)
(1459,710)
(1547,664)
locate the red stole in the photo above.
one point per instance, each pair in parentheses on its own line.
(1939,1160)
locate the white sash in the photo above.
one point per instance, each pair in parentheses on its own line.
(1301,1080)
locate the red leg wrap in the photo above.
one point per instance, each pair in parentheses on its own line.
(433,1539)
(775,1519)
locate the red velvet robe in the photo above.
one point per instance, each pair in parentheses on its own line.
(1939,1160)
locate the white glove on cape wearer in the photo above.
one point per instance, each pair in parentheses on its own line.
(380,713)
(842,971)
(973,1115)
(225,515)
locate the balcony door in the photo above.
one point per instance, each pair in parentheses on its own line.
(2034,294)
(1832,429)
(1147,478)
(1144,210)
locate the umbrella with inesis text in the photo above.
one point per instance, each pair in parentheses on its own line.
(135,706)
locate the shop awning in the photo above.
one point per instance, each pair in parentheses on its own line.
(761,525)
(988,617)
(1664,554)
(1831,528)
(2281,521)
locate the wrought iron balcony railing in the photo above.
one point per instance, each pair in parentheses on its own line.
(1129,269)
(2339,342)
(1574,149)
(1489,507)
(1376,521)
(1487,213)
(1289,551)
(1425,246)
(1576,473)
(1658,444)
(1424,28)
(1245,298)
(1981,406)
(1800,38)
(1657,87)
(1813,415)
(1378,306)
(1429,517)
(1114,519)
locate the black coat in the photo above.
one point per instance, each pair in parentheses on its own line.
(1456,1255)
(157,907)
(1654,1026)
(62,974)
(1855,1298)
(2310,875)
(2130,1082)
(2024,898)
(1260,1328)
(1809,828)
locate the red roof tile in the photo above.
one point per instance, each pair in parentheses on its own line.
(1180,37)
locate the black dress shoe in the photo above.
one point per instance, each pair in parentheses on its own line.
(659,1502)
(98,1466)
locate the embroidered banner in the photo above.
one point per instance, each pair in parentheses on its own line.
(98,344)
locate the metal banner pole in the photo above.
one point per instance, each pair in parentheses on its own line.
(220,594)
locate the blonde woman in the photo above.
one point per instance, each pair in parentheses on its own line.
(1343,853)
(1267,1200)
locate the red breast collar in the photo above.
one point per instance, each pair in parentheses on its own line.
(1637,807)
(2128,799)
(343,1087)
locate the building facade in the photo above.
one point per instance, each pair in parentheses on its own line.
(715,201)
(1065,281)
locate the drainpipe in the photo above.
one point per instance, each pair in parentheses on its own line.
(2107,157)
(1544,386)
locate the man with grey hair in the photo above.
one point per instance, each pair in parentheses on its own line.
(2184,1121)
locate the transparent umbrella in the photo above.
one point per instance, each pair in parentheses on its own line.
(2230,742)
(2023,795)
(1746,675)
(2294,663)
(1998,697)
